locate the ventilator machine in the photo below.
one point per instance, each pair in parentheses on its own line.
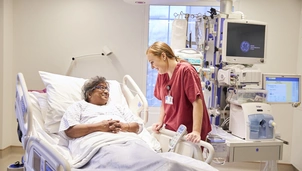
(227,51)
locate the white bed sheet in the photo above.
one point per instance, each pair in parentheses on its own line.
(40,110)
(39,103)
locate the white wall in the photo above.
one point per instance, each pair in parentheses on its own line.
(282,51)
(283,27)
(296,151)
(47,34)
(7,78)
(1,71)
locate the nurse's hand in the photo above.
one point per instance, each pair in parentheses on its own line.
(157,126)
(193,137)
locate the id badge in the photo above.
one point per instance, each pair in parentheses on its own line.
(169,100)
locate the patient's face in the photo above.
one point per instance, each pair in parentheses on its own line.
(100,95)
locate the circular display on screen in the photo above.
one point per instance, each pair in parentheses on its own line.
(245,46)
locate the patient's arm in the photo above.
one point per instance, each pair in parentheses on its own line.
(80,130)
(130,127)
(113,126)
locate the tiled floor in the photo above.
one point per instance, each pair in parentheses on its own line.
(10,156)
(251,166)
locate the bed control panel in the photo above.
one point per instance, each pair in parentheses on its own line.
(181,131)
(39,163)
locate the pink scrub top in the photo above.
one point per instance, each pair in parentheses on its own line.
(185,88)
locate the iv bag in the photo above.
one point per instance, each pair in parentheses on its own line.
(178,34)
(198,33)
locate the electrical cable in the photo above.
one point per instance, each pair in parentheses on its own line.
(219,160)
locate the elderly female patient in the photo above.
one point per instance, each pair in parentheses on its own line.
(104,135)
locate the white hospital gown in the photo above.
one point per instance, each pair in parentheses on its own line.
(82,112)
(111,151)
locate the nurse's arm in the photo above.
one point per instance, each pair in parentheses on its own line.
(197,115)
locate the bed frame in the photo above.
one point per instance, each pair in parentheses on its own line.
(41,155)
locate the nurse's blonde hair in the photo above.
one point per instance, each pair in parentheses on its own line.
(157,48)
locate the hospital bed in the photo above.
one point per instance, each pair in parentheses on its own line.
(45,149)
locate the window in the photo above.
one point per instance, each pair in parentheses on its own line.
(160,26)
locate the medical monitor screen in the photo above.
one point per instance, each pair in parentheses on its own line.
(282,88)
(244,42)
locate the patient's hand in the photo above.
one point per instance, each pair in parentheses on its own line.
(156,127)
(80,130)
(110,126)
(115,127)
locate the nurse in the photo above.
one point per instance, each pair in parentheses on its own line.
(178,86)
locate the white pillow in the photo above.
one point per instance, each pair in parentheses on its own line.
(36,110)
(62,91)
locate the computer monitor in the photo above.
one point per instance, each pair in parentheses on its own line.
(244,41)
(282,88)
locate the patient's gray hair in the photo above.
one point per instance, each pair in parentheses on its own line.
(90,84)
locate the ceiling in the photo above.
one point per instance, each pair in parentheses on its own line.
(170,2)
